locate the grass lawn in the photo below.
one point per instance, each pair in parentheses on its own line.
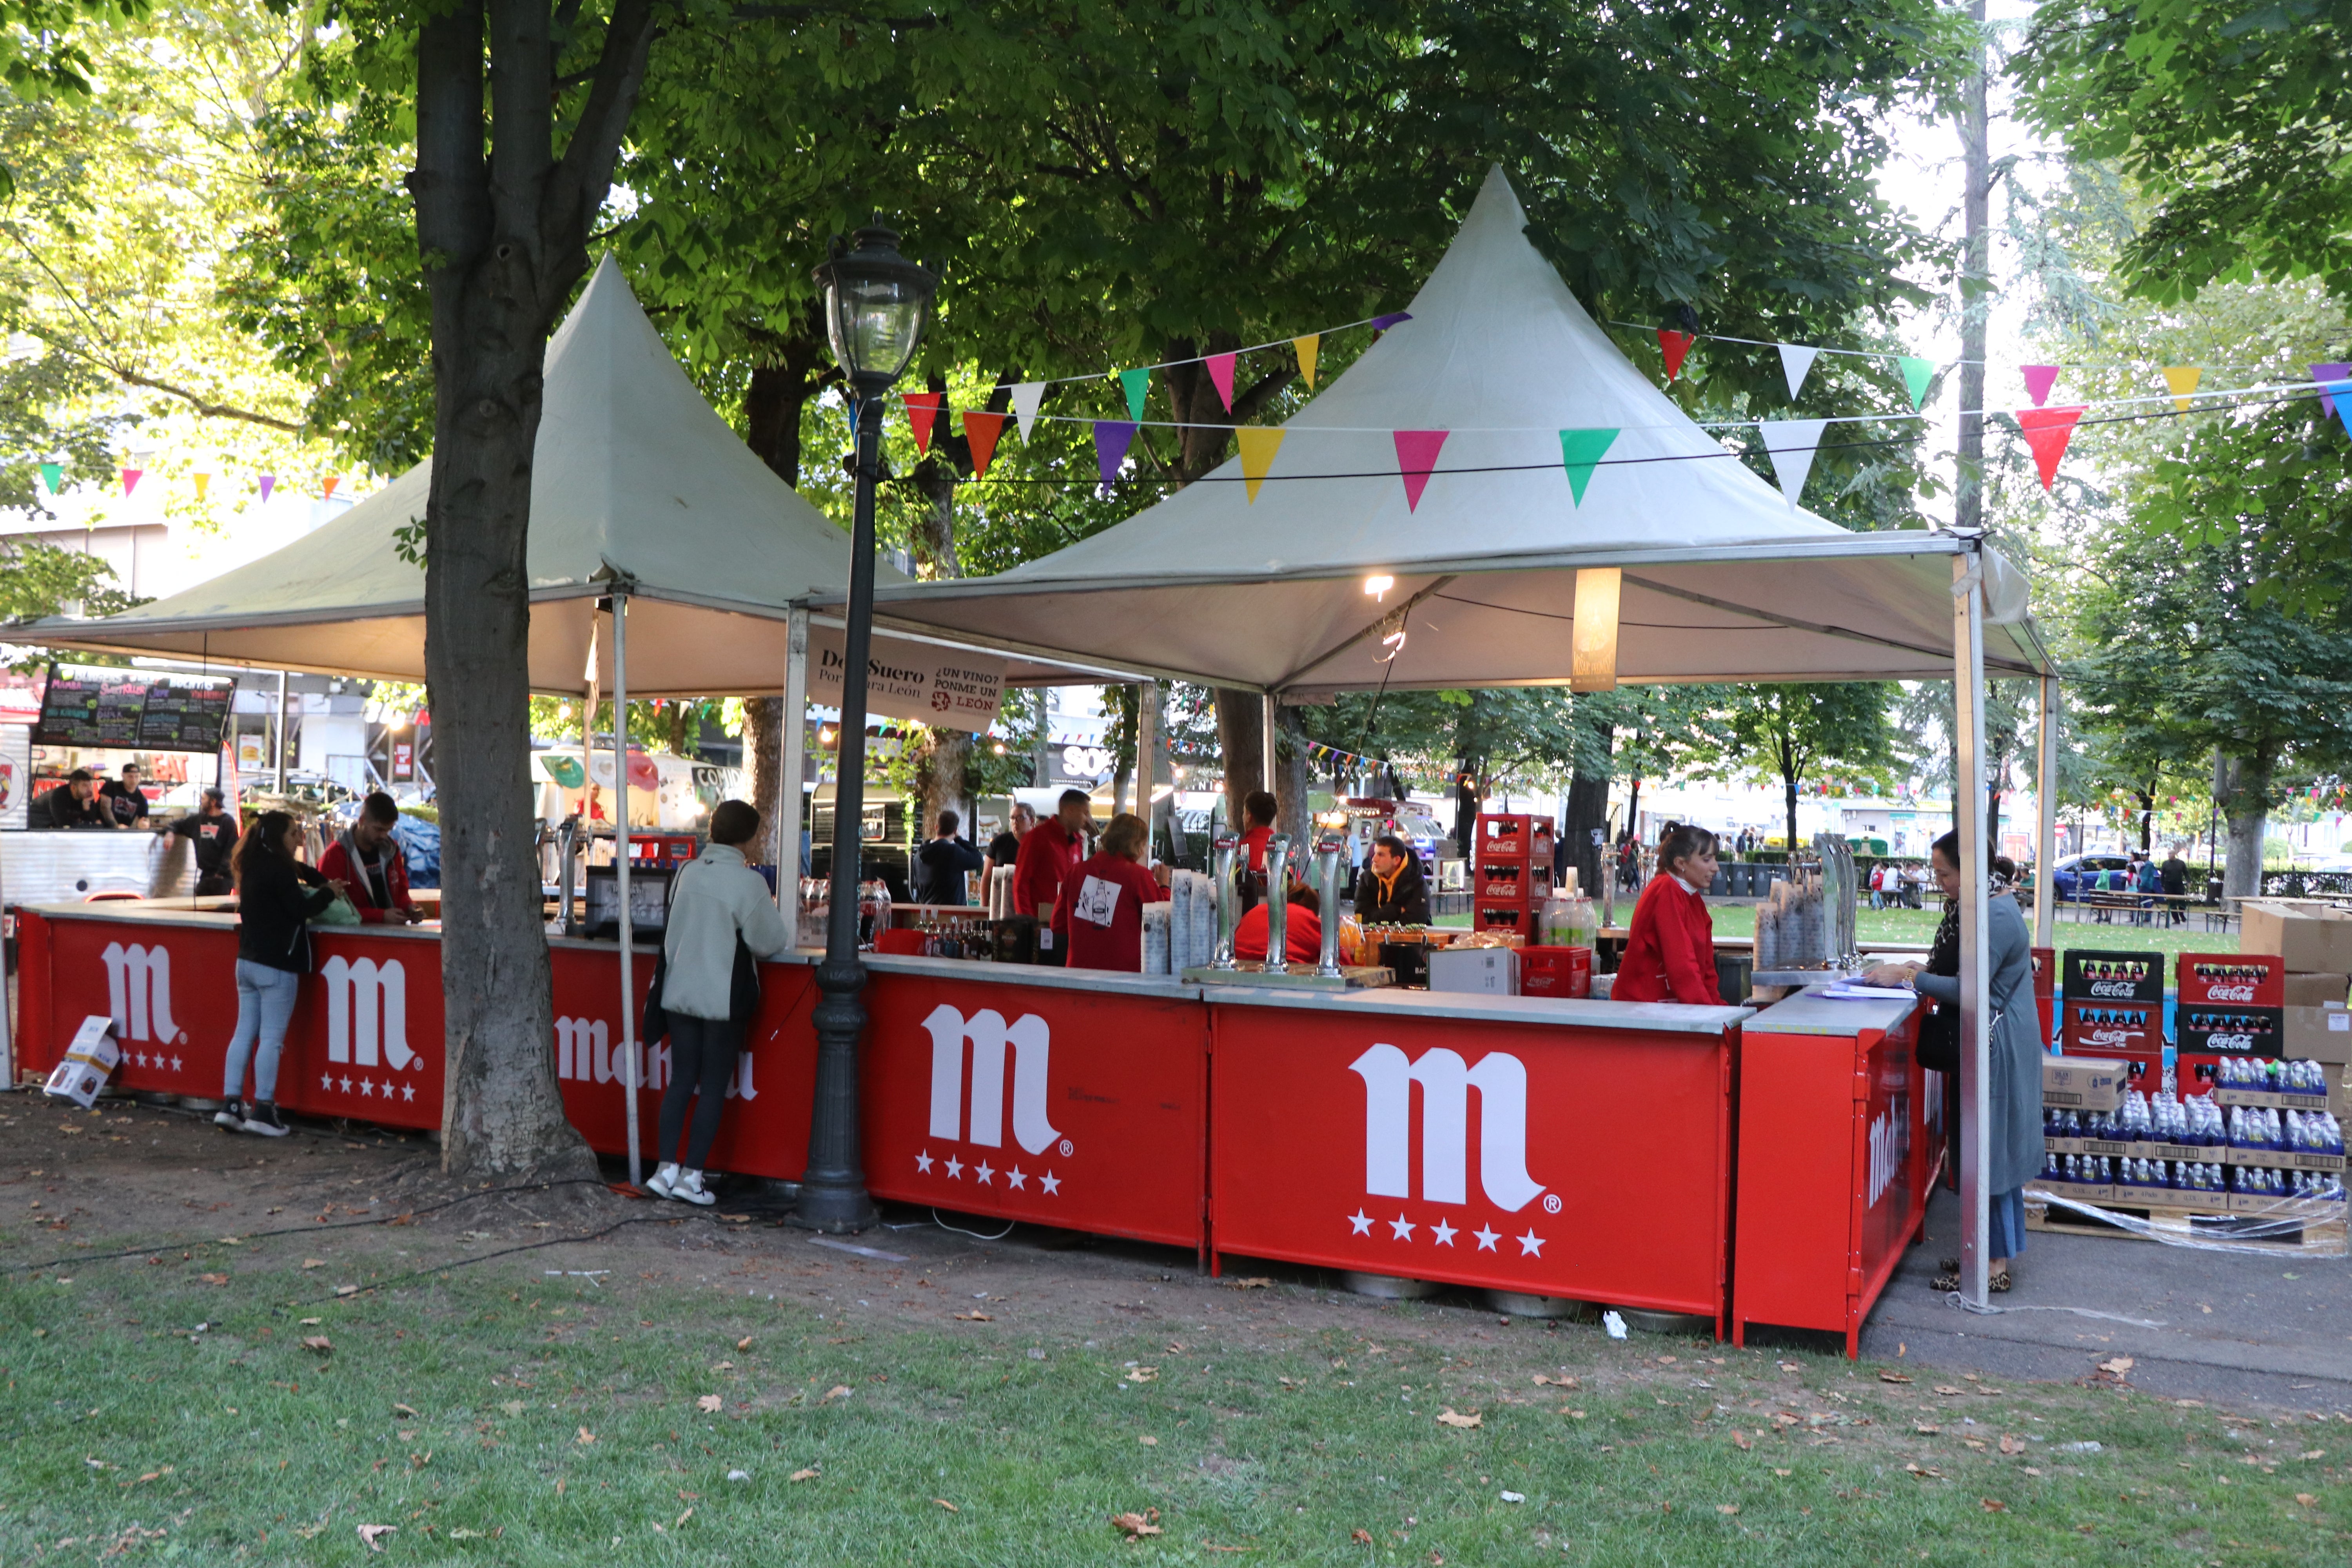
(217,1404)
(1918,927)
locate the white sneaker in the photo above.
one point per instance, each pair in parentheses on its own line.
(688,1189)
(658,1184)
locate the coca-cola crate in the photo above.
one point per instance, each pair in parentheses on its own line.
(1555,972)
(2093,976)
(2045,974)
(2099,1028)
(1512,836)
(1503,914)
(2233,979)
(2229,1031)
(1519,882)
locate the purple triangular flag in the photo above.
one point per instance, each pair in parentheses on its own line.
(1383,324)
(1112,438)
(268,483)
(2039,379)
(2326,374)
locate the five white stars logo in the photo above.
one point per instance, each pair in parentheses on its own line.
(1443,1233)
(955,1169)
(1016,1178)
(1051,1182)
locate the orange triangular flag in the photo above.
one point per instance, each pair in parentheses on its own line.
(979,432)
(2047,431)
(1258,447)
(330,482)
(2182,379)
(923,408)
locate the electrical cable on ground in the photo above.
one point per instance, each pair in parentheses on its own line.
(1000,1236)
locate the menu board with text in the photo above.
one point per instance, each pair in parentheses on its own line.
(132,711)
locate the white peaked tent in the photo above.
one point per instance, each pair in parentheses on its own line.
(1303,591)
(1723,579)
(635,477)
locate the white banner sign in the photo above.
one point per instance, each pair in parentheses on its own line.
(946,688)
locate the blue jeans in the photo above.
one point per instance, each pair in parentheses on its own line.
(265,1005)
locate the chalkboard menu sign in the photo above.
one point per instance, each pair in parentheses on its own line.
(134,711)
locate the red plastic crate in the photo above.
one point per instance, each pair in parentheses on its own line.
(2045,972)
(1503,914)
(2094,1028)
(1512,836)
(1516,882)
(2232,980)
(1556,971)
(660,849)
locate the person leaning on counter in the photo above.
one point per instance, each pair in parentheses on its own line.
(1050,852)
(73,804)
(365,856)
(1391,891)
(1670,950)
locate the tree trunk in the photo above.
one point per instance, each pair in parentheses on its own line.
(1788,793)
(2243,786)
(2146,819)
(1633,809)
(1240,739)
(1294,777)
(777,797)
(503,242)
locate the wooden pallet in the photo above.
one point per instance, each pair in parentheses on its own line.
(2319,1237)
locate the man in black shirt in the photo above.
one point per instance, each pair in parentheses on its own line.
(2173,876)
(1391,891)
(73,804)
(213,830)
(941,864)
(124,798)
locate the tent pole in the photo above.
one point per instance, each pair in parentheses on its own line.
(281,747)
(1268,770)
(1968,817)
(1147,755)
(619,602)
(2045,909)
(785,809)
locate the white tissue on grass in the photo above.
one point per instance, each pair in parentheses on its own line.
(1614,1323)
(739,1475)
(2078,1448)
(1515,1497)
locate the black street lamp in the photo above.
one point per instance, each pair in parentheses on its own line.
(876,304)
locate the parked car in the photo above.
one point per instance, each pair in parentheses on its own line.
(2076,876)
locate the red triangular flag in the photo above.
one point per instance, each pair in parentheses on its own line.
(979,432)
(1221,371)
(1416,456)
(2047,431)
(1674,345)
(923,408)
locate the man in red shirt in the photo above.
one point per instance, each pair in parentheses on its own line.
(1100,918)
(1302,940)
(1259,809)
(1048,854)
(371,866)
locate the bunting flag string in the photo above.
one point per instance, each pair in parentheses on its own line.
(1311,350)
(53,475)
(1258,444)
(1221,375)
(203,483)
(2039,380)
(1918,374)
(1796,364)
(1416,457)
(1675,346)
(1112,438)
(2047,431)
(2327,376)
(922,411)
(130,477)
(1025,398)
(2339,393)
(268,483)
(1581,452)
(1792,444)
(980,430)
(2182,379)
(1138,385)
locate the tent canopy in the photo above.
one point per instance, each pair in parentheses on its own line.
(1723,578)
(634,478)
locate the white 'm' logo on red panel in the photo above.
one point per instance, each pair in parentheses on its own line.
(1445,1080)
(1029,1043)
(139,991)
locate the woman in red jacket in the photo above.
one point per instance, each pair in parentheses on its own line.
(1669,950)
(1100,913)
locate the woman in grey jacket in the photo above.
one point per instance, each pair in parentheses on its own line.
(717,901)
(2012,1099)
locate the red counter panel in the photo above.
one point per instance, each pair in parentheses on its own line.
(1592,1164)
(1072,1108)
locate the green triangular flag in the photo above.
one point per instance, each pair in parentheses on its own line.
(1138,387)
(1916,374)
(1581,452)
(53,475)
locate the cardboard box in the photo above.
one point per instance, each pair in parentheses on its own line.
(2232,980)
(2097,976)
(2308,939)
(2098,1028)
(2314,990)
(2230,1031)
(2083,1083)
(1477,970)
(2316,1034)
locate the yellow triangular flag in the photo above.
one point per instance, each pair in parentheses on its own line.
(1308,347)
(204,483)
(1258,447)
(2183,380)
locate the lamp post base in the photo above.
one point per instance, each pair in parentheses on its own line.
(832,1189)
(834,1210)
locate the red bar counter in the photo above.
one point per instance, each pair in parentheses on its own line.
(1533,1144)
(1837,1152)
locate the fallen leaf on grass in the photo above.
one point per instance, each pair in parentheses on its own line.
(373,1534)
(1542,1380)
(1727,1507)
(1927,1431)
(838,1391)
(709,1403)
(317,1342)
(974,1318)
(2009,1445)
(586,1436)
(1925,1472)
(1213,1546)
(347,1289)
(1360,1537)
(404,1410)
(513,1407)
(311,1323)
(1449,1416)
(1136,1526)
(1784,1475)
(1992,1505)
(2119,1366)
(947,1505)
(1946,1388)
(1894,1377)
(1976,1443)
(808,1475)
(1149,1442)
(2031,1471)
(1742,1438)
(214,1279)
(2313,1454)
(1255,1282)
(2306,1498)
(314,1263)
(1573,1414)
(1143,1375)
(744,1344)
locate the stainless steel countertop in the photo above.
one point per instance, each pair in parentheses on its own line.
(1811,1013)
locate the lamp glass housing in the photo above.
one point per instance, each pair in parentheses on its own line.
(876,305)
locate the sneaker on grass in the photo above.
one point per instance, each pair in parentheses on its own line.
(688,1189)
(262,1118)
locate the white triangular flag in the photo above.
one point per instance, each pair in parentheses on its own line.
(1796,364)
(1792,443)
(1024,405)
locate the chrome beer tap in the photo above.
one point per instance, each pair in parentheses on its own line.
(1327,881)
(1226,850)
(1277,906)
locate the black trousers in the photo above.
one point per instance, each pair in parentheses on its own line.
(702,1058)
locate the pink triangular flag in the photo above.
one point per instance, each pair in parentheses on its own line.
(2047,431)
(268,483)
(130,479)
(1416,456)
(2039,379)
(1221,371)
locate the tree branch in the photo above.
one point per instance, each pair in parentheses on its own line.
(586,173)
(201,404)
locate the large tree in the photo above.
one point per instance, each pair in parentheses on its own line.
(1790,733)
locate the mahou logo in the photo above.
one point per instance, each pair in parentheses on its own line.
(1445,1080)
(1029,1042)
(367,1011)
(1890,1142)
(139,992)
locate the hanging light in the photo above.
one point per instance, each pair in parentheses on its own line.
(1592,658)
(1378,585)
(876,304)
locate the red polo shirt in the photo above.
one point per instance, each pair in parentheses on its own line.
(1100,913)
(1047,857)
